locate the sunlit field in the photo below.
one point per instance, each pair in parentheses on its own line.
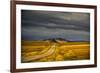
(48,51)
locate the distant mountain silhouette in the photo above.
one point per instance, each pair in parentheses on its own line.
(55,39)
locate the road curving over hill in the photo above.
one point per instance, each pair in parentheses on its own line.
(47,53)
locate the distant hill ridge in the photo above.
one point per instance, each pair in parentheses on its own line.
(62,39)
(59,40)
(55,39)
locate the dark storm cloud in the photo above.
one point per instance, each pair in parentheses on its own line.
(47,24)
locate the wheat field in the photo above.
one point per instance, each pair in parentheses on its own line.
(48,51)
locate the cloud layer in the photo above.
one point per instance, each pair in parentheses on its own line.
(37,25)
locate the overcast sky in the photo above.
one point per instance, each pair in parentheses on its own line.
(38,25)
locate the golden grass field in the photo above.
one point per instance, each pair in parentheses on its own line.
(45,51)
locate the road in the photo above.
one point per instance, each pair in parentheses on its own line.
(47,53)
